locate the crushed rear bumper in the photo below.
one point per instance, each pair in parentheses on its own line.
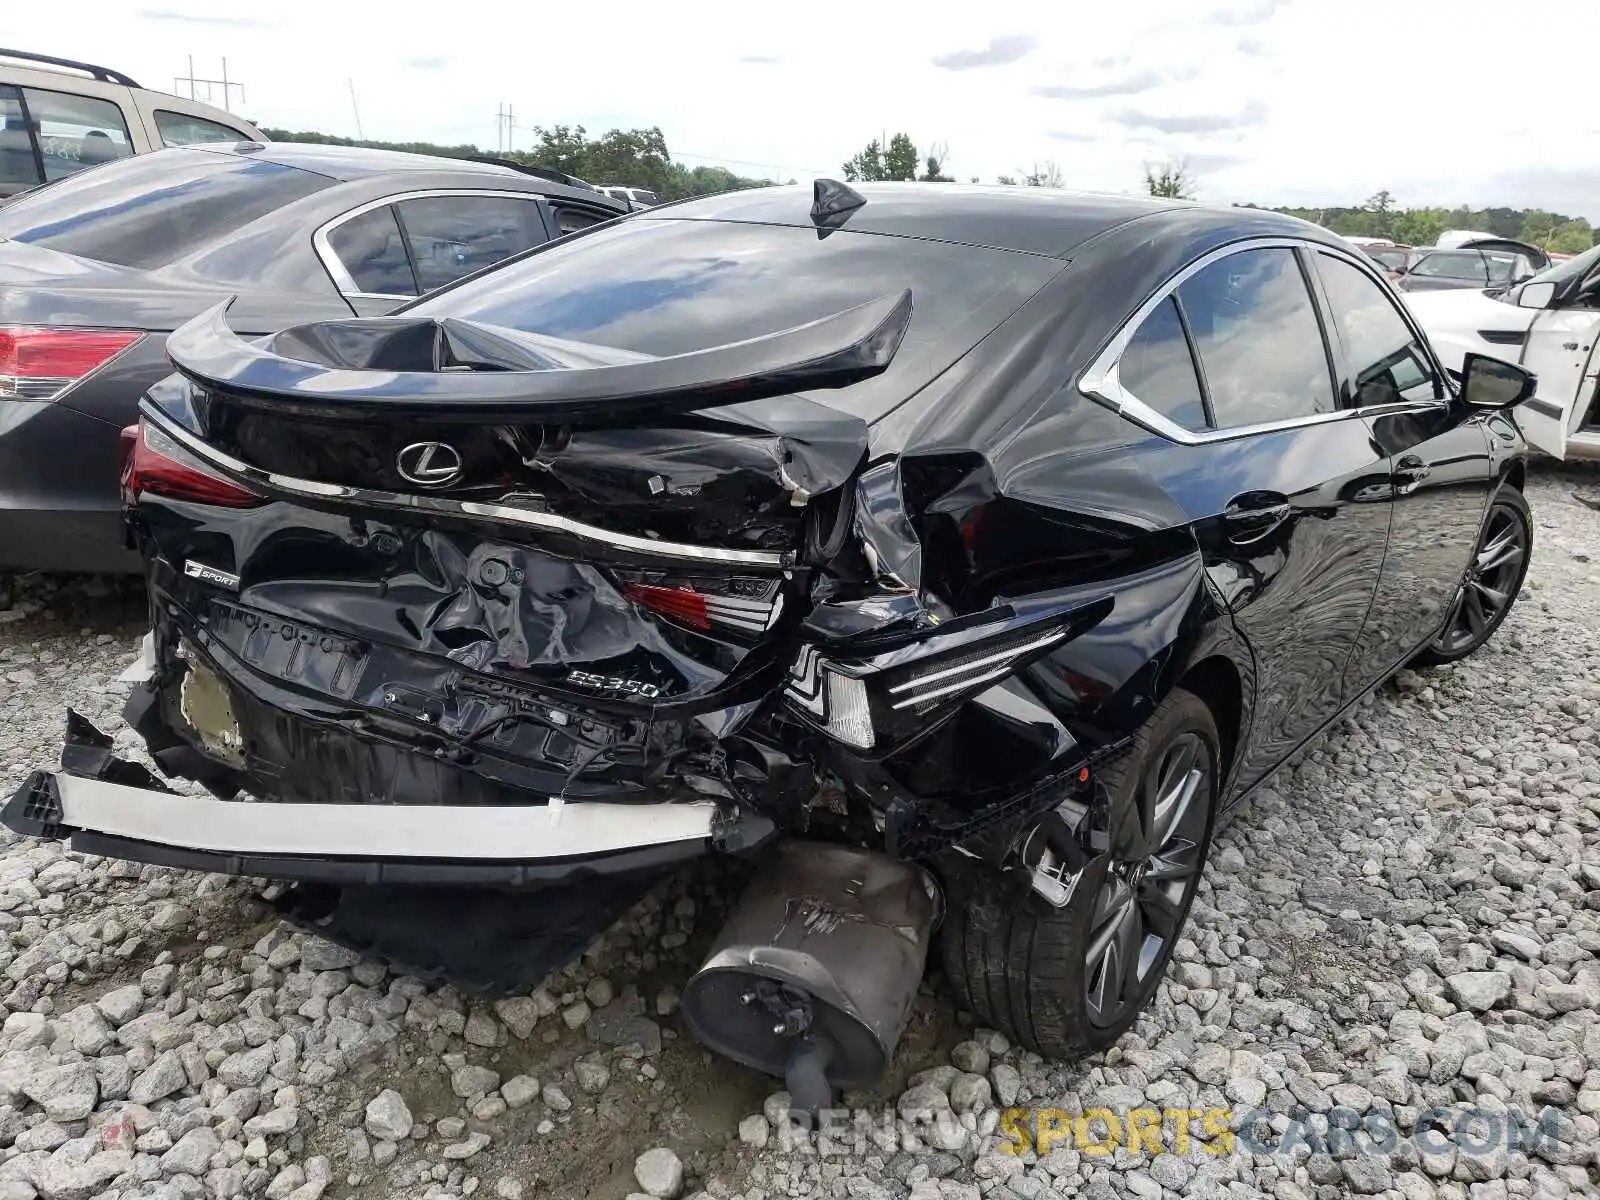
(101,804)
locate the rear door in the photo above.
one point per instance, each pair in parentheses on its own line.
(1437,459)
(1285,487)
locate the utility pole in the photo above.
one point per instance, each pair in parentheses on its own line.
(504,124)
(356,109)
(224,83)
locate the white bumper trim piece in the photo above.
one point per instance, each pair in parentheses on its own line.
(376,831)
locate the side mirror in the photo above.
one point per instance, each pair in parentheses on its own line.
(1490,383)
(1536,295)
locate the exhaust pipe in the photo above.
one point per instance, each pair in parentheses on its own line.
(813,975)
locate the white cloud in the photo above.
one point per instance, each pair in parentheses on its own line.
(1278,101)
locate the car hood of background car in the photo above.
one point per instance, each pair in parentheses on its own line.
(1466,308)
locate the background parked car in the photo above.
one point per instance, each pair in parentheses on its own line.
(58,116)
(97,269)
(1549,324)
(1487,264)
(1392,256)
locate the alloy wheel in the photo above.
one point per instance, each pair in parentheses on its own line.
(1154,869)
(1490,584)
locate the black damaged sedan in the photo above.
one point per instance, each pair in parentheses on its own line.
(962,557)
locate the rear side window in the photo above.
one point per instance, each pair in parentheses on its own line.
(154,209)
(1385,358)
(570,219)
(668,286)
(1158,369)
(373,252)
(1460,265)
(18,167)
(76,131)
(1258,339)
(180,129)
(452,236)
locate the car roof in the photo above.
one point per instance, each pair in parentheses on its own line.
(350,163)
(345,163)
(1043,221)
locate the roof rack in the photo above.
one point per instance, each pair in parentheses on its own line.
(103,74)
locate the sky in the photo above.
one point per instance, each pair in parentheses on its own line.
(1300,102)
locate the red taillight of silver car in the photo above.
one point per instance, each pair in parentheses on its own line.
(41,362)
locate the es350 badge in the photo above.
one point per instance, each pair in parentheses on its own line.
(614,684)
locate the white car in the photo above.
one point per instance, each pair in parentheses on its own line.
(1549,324)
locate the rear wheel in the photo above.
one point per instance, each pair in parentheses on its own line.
(1493,580)
(1071,981)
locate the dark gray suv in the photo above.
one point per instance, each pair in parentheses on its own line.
(96,270)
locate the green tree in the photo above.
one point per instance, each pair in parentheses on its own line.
(1573,237)
(900,159)
(1006,180)
(1381,206)
(874,163)
(1170,180)
(867,165)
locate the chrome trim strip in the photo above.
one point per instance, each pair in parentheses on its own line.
(978,664)
(999,672)
(1102,383)
(546,522)
(343,280)
(376,831)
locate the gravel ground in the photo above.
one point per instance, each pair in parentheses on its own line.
(1401,931)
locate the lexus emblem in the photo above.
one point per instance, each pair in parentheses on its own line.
(429,464)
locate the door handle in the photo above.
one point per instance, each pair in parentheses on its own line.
(1409,472)
(1250,517)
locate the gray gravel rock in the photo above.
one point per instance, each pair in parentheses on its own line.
(388,1116)
(192,1153)
(659,1172)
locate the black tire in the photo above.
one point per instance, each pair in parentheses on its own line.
(1468,625)
(1024,970)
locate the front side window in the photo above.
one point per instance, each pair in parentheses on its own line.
(76,131)
(180,129)
(373,252)
(1258,338)
(1158,369)
(18,167)
(1386,361)
(452,236)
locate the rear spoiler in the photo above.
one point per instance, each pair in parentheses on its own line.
(452,367)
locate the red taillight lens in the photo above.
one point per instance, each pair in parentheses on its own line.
(152,462)
(38,363)
(680,604)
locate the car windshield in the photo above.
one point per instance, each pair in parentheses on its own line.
(1393,259)
(1573,268)
(151,210)
(672,286)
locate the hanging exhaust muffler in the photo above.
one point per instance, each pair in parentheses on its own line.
(813,976)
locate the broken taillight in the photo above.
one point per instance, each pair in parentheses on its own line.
(40,363)
(734,603)
(154,463)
